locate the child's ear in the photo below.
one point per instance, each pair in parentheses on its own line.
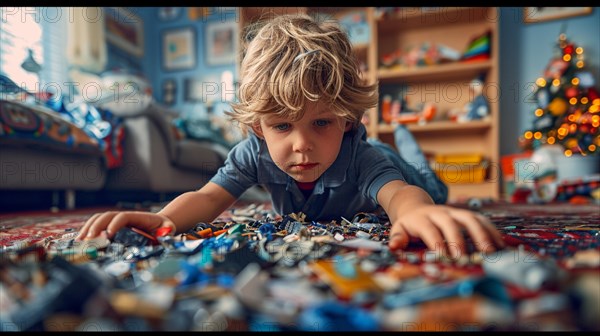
(348,126)
(257,130)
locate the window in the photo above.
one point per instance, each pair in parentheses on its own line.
(20,32)
(43,30)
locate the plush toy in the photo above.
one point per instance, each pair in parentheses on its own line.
(479,107)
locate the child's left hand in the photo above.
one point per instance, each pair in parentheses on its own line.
(441,228)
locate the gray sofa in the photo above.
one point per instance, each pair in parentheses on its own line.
(40,151)
(156,160)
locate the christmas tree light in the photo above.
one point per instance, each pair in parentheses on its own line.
(567,109)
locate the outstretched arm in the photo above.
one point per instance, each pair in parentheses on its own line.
(203,205)
(413,214)
(181,214)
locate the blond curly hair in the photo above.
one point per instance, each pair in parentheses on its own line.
(291,59)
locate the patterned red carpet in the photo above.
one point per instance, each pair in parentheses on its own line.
(27,228)
(532,225)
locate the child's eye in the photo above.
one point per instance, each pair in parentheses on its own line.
(322,122)
(281,127)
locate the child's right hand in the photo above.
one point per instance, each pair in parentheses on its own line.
(113,221)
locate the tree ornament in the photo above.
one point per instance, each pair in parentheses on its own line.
(568,49)
(558,106)
(571,92)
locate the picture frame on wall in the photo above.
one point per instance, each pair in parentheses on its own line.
(179,49)
(221,42)
(541,14)
(125,30)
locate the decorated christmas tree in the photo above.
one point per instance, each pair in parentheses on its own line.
(567,104)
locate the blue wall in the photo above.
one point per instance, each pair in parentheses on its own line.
(525,50)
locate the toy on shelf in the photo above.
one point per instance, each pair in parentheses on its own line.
(478,108)
(390,60)
(424,54)
(397,111)
(436,53)
(478,48)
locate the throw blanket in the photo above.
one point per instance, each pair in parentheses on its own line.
(26,124)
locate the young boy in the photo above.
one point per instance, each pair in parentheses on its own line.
(302,99)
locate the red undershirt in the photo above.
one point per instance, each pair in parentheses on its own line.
(306,188)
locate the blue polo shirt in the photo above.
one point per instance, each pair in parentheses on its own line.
(349,186)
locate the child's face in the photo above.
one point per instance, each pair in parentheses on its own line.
(306,148)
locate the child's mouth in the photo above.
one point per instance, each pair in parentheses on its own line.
(303,166)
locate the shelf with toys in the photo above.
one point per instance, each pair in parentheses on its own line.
(438,73)
(438,68)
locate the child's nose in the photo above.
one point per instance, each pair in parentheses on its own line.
(302,142)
